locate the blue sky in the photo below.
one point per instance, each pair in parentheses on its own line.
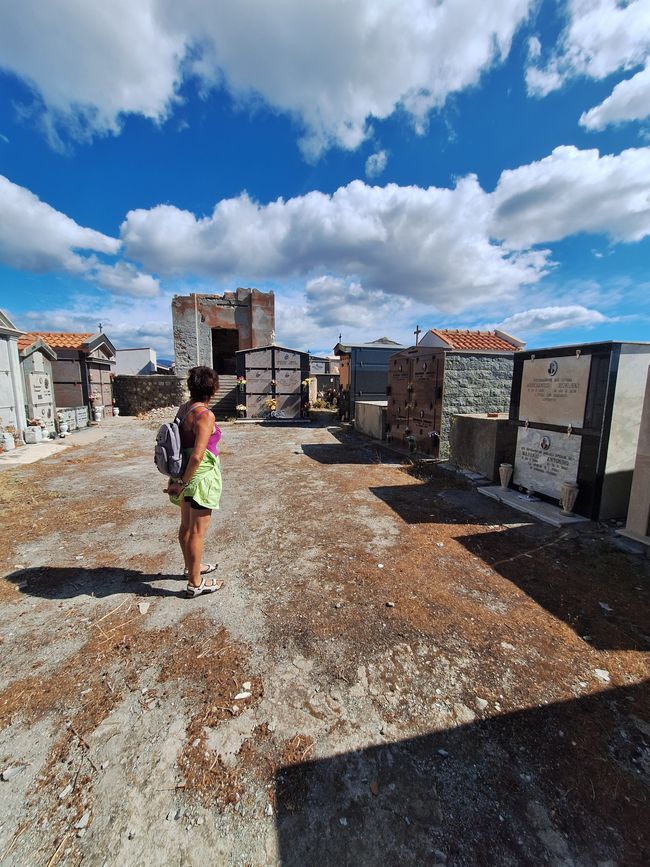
(377,164)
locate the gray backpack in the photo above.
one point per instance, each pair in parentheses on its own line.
(168,454)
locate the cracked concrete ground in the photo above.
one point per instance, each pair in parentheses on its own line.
(397,671)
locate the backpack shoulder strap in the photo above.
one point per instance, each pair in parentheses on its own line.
(181,418)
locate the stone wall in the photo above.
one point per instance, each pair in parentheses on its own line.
(478,382)
(135,394)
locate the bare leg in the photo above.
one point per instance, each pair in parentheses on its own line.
(184,530)
(198,527)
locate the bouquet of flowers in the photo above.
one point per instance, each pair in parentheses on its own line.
(241,381)
(271,404)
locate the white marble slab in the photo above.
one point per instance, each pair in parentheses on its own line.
(554,390)
(544,460)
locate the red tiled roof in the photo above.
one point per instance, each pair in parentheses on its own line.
(485,340)
(55,339)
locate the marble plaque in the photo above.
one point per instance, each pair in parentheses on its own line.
(554,390)
(544,460)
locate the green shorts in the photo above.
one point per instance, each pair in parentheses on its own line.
(205,486)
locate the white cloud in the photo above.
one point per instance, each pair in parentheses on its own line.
(601,37)
(91,62)
(541,319)
(329,306)
(126,322)
(630,100)
(534,48)
(36,237)
(334,302)
(376,164)
(123,278)
(573,191)
(431,245)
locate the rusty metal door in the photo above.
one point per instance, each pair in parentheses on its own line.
(66,374)
(99,380)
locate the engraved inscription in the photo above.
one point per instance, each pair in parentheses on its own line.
(544,460)
(554,390)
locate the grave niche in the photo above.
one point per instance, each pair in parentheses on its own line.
(577,410)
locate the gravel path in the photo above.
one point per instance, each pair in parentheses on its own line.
(397,670)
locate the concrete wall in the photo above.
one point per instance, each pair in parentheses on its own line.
(624,429)
(249,311)
(370,418)
(135,362)
(638,515)
(474,382)
(480,444)
(135,394)
(12,392)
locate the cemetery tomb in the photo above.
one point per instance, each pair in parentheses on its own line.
(277,373)
(36,359)
(577,410)
(364,370)
(415,399)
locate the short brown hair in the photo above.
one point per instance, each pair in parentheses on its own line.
(202,382)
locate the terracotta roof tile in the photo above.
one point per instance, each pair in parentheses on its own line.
(482,340)
(56,339)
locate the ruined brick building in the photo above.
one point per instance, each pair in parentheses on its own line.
(210,329)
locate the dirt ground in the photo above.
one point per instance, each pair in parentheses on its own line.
(398,670)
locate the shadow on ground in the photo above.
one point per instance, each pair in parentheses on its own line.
(343,453)
(445,500)
(599,592)
(563,784)
(50,582)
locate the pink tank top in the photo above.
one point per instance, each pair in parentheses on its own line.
(188,437)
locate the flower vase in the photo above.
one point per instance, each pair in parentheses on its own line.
(505,474)
(568,497)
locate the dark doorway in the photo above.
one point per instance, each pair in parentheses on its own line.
(225,343)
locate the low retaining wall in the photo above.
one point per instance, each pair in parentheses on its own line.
(370,418)
(136,394)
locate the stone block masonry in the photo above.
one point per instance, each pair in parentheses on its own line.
(136,394)
(474,382)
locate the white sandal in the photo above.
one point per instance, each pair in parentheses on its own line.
(192,591)
(206,568)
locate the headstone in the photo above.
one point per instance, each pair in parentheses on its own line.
(545,460)
(554,390)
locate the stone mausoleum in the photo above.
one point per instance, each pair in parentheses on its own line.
(210,329)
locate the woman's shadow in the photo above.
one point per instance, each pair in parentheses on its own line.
(66,582)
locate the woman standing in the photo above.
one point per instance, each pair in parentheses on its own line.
(198,491)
